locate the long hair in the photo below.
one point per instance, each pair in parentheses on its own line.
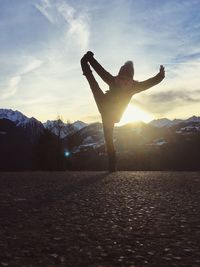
(127,69)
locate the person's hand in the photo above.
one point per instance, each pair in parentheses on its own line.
(87,56)
(162,71)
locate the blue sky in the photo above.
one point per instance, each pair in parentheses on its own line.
(42,41)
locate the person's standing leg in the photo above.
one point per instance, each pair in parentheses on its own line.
(108,127)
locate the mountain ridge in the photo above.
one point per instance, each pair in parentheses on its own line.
(70,128)
(26,144)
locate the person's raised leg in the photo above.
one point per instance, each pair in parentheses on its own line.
(98,94)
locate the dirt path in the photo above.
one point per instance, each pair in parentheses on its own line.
(100,219)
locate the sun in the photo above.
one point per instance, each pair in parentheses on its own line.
(134,114)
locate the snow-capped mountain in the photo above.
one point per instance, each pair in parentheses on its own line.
(57,127)
(17,117)
(184,127)
(165,122)
(160,122)
(62,129)
(194,119)
(189,126)
(32,126)
(79,125)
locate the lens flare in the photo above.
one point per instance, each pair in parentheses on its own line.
(66,153)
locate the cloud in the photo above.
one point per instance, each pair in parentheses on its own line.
(45,9)
(164,102)
(11,87)
(73,22)
(31,66)
(172,96)
(11,83)
(77,23)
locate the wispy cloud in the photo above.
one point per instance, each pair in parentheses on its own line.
(45,8)
(74,23)
(78,24)
(12,84)
(11,88)
(31,66)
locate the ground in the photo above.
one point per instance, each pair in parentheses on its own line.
(100,219)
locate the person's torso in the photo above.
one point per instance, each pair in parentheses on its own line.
(118,98)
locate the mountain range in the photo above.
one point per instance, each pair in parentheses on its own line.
(21,137)
(164,122)
(64,129)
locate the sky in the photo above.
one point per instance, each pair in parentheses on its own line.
(42,42)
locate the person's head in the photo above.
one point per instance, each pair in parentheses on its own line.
(126,71)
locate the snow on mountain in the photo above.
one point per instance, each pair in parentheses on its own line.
(191,125)
(17,117)
(58,127)
(193,119)
(159,123)
(32,126)
(79,125)
(62,129)
(48,124)
(35,127)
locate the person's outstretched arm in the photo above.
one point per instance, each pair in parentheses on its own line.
(141,86)
(105,75)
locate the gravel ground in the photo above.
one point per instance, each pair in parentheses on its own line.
(100,219)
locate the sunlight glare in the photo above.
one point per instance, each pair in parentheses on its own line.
(135,114)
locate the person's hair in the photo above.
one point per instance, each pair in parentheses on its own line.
(127,69)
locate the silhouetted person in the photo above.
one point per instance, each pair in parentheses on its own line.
(112,104)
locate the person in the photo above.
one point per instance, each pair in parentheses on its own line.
(113,102)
